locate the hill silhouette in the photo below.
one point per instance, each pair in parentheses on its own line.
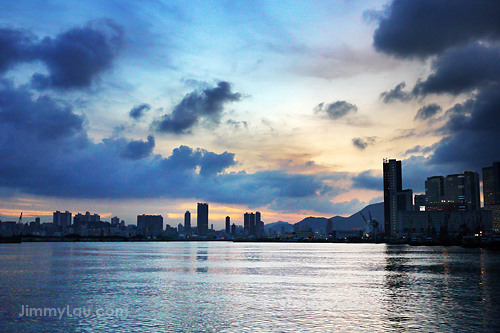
(318,224)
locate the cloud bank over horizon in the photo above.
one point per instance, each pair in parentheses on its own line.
(220,104)
(462,39)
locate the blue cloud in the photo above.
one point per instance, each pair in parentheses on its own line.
(207,104)
(74,59)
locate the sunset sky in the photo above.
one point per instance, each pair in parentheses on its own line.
(148,107)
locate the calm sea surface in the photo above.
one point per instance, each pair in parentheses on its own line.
(247,287)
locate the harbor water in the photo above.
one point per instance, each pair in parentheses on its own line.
(247,287)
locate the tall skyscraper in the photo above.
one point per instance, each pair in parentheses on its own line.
(491,193)
(252,224)
(405,200)
(491,184)
(202,219)
(329,227)
(471,191)
(246,223)
(434,189)
(228,225)
(187,222)
(259,225)
(454,190)
(462,190)
(393,183)
(61,219)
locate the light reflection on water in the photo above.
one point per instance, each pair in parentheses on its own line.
(248,287)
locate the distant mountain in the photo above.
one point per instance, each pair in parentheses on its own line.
(355,221)
(316,223)
(276,227)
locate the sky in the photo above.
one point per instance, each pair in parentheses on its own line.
(124,108)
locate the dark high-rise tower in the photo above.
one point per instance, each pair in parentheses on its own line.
(252,224)
(491,184)
(187,222)
(246,223)
(202,219)
(434,189)
(259,225)
(491,193)
(471,191)
(228,225)
(62,219)
(393,183)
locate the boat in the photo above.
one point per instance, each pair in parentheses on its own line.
(471,241)
(493,243)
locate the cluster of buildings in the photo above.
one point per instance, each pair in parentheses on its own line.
(451,205)
(148,226)
(64,223)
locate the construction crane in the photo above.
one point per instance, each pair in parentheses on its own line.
(20,218)
(373,224)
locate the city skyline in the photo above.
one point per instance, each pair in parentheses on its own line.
(287,109)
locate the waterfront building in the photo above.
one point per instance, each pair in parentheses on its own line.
(471,191)
(202,219)
(430,223)
(405,200)
(259,225)
(434,189)
(491,193)
(228,225)
(150,225)
(252,224)
(246,223)
(453,192)
(329,227)
(393,184)
(61,219)
(187,222)
(420,201)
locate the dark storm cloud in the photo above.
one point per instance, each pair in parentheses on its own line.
(464,109)
(463,36)
(396,94)
(138,111)
(78,56)
(472,129)
(74,59)
(15,47)
(367,180)
(420,28)
(420,149)
(461,70)
(138,149)
(265,187)
(44,117)
(69,165)
(336,110)
(207,105)
(362,143)
(212,164)
(428,111)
